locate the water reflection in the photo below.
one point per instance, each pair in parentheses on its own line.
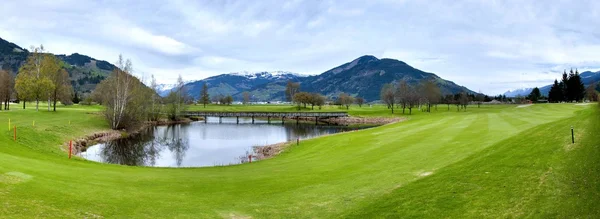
(200,144)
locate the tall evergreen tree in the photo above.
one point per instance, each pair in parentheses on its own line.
(535,95)
(556,92)
(564,85)
(575,90)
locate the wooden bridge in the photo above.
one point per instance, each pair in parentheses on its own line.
(268,115)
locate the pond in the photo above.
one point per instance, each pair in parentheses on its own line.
(200,144)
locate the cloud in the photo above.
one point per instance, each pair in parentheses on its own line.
(476,44)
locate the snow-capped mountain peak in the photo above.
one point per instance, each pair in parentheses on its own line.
(266,74)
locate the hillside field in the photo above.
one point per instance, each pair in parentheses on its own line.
(493,162)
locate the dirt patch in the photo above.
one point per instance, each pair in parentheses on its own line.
(425,174)
(268,151)
(524,105)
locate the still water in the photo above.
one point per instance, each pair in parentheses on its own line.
(202,144)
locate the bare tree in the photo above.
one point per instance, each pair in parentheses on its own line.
(590,92)
(122,95)
(204,96)
(156,105)
(388,96)
(176,100)
(62,89)
(412,98)
(318,100)
(291,89)
(302,98)
(464,100)
(346,100)
(431,94)
(246,97)
(479,98)
(359,101)
(402,95)
(6,88)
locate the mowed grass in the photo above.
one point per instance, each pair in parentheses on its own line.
(494,161)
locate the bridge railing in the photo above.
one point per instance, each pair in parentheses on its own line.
(265,114)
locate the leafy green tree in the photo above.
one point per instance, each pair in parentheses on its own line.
(33,81)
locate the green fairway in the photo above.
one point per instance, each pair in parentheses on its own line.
(493,161)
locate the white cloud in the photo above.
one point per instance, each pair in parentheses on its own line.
(474,43)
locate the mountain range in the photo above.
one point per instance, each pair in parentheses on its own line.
(587,77)
(361,77)
(85,72)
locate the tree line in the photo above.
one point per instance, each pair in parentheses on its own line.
(41,78)
(294,95)
(571,88)
(425,96)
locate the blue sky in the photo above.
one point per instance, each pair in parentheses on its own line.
(491,46)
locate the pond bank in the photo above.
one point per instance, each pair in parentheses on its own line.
(81,144)
(272,150)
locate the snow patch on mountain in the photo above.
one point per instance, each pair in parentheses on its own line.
(267,74)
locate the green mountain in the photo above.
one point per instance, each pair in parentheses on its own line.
(362,77)
(85,72)
(366,75)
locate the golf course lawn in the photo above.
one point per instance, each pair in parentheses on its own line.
(493,162)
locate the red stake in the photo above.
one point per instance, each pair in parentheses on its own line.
(250,158)
(70,148)
(15,135)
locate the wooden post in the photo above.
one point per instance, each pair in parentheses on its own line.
(70,148)
(298,141)
(250,158)
(572,135)
(297,120)
(282,120)
(269,119)
(15,134)
(316,120)
(205,119)
(220,119)
(252,119)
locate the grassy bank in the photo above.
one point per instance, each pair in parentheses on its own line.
(495,161)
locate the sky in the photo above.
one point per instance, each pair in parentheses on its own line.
(488,46)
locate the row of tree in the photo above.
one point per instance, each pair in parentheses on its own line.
(293,94)
(570,88)
(41,78)
(427,94)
